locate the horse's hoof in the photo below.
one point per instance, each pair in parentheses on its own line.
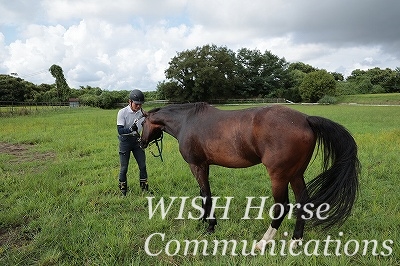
(210,230)
(294,243)
(260,246)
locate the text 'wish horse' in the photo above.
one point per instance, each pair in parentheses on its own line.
(280,138)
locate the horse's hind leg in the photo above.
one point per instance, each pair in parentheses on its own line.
(280,193)
(299,188)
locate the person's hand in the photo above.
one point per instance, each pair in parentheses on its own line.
(134,127)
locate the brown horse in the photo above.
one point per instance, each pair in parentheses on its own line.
(280,138)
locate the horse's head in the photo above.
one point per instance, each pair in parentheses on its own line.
(152,129)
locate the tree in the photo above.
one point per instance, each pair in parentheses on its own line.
(260,74)
(374,80)
(355,74)
(295,80)
(305,68)
(386,78)
(297,72)
(212,72)
(61,84)
(90,90)
(169,90)
(108,100)
(396,87)
(14,89)
(200,74)
(46,93)
(249,64)
(337,76)
(317,84)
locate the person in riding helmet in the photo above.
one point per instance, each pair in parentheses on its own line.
(129,124)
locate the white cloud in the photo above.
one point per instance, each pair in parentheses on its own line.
(41,48)
(118,11)
(123,44)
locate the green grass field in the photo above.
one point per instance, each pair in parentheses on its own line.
(379,98)
(60,204)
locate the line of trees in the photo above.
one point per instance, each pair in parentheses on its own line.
(15,89)
(210,72)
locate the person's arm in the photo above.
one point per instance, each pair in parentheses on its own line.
(122,130)
(120,124)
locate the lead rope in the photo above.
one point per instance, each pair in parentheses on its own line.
(159,147)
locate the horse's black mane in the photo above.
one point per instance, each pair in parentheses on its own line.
(194,107)
(154,110)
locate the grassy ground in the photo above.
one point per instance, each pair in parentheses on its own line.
(59,202)
(380,98)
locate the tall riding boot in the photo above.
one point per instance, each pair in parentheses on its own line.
(123,187)
(144,185)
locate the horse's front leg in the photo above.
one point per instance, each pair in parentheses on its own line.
(201,173)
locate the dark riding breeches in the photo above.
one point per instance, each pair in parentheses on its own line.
(128,144)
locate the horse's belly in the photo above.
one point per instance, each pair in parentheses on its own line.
(230,161)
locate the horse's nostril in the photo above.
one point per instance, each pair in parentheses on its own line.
(142,144)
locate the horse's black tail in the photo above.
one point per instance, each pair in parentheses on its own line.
(338,184)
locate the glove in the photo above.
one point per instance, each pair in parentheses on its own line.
(134,127)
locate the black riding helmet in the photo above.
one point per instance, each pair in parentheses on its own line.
(136,96)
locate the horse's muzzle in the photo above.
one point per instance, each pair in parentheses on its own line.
(142,144)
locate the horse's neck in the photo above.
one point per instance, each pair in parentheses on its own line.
(173,124)
(175,121)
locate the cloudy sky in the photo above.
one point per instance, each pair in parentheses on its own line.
(127,44)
